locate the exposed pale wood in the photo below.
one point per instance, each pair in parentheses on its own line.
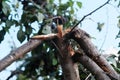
(44,37)
(21,51)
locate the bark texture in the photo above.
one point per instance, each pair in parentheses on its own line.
(24,49)
(69,68)
(91,66)
(94,62)
(83,39)
(18,53)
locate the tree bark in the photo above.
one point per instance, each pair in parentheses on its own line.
(83,39)
(91,66)
(69,68)
(18,53)
(24,49)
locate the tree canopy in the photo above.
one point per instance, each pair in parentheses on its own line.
(48,54)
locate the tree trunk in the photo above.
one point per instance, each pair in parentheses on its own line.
(90,65)
(69,68)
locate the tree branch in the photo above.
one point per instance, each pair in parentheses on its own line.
(91,66)
(21,51)
(89,14)
(18,53)
(90,50)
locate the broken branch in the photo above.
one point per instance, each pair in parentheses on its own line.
(21,51)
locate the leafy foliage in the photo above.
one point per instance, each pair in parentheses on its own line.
(79,4)
(42,62)
(21,35)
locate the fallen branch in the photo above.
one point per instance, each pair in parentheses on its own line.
(83,39)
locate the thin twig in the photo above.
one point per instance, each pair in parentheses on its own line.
(36,5)
(89,14)
(57,48)
(88,76)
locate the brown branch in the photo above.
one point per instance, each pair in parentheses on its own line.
(13,73)
(18,53)
(69,68)
(87,46)
(89,14)
(91,66)
(21,51)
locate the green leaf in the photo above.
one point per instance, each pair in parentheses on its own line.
(72,11)
(118,17)
(119,46)
(2,34)
(40,17)
(100,26)
(47,29)
(118,4)
(6,8)
(63,7)
(28,29)
(21,35)
(118,35)
(23,18)
(9,23)
(22,77)
(70,3)
(112,59)
(51,1)
(54,61)
(117,69)
(7,0)
(31,17)
(118,24)
(79,4)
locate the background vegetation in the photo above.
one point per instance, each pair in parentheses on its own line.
(42,62)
